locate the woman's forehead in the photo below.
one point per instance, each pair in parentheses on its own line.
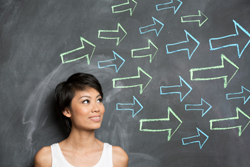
(91,92)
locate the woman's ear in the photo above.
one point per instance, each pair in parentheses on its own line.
(66,112)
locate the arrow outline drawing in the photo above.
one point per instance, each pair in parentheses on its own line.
(185,49)
(200,145)
(139,69)
(161,119)
(199,21)
(133,112)
(181,80)
(214,67)
(231,118)
(79,48)
(175,10)
(146,48)
(242,91)
(154,20)
(232,35)
(118,41)
(203,112)
(115,56)
(126,3)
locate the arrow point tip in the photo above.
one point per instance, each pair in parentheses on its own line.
(187,85)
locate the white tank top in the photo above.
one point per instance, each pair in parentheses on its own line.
(58,159)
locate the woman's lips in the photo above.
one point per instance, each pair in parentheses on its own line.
(95,118)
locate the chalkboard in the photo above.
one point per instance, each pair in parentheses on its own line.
(175,77)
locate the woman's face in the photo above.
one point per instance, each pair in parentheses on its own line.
(87,109)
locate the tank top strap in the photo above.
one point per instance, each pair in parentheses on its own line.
(106,158)
(58,160)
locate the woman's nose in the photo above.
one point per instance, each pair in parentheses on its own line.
(95,108)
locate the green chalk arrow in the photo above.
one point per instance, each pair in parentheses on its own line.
(149,51)
(239,122)
(86,50)
(127,6)
(200,18)
(226,70)
(141,80)
(117,34)
(170,124)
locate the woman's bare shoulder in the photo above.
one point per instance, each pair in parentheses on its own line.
(120,157)
(43,157)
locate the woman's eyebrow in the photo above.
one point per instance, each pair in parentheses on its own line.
(84,96)
(98,96)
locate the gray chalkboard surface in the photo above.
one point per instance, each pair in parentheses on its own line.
(175,76)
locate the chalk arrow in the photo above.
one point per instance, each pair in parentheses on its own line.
(239,122)
(141,80)
(204,107)
(117,34)
(135,107)
(201,138)
(200,18)
(244,94)
(170,124)
(128,6)
(190,45)
(175,4)
(226,70)
(241,36)
(86,50)
(157,27)
(183,89)
(149,51)
(117,62)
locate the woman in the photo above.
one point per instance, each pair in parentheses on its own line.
(79,100)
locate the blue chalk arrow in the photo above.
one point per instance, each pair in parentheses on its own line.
(135,107)
(232,40)
(190,45)
(175,4)
(183,89)
(117,62)
(244,94)
(201,138)
(157,27)
(204,107)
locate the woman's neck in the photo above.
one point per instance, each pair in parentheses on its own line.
(81,140)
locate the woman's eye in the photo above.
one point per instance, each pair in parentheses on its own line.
(99,100)
(85,101)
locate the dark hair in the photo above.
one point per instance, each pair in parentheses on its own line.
(65,92)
